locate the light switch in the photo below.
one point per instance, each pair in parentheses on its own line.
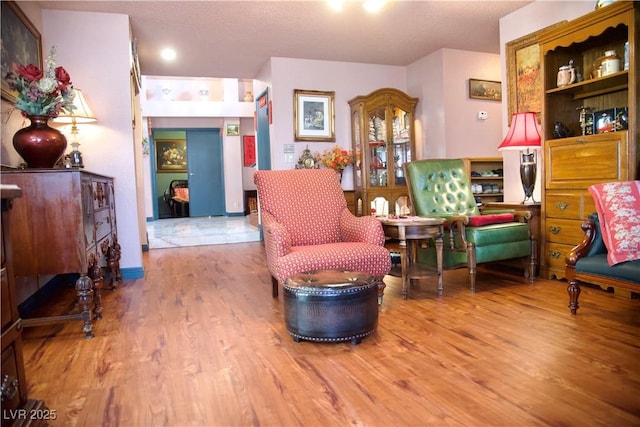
(483,115)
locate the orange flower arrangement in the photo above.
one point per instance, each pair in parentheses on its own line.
(336,158)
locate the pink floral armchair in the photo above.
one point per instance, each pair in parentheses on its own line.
(307,226)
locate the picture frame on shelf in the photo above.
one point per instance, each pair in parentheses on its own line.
(171,155)
(487,90)
(17,27)
(314,115)
(524,73)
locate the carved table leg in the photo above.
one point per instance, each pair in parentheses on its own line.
(115,252)
(84,293)
(96,275)
(574,292)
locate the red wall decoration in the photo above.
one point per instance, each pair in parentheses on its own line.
(249,150)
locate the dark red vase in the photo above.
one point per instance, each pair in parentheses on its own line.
(39,144)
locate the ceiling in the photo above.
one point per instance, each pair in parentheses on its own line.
(236,38)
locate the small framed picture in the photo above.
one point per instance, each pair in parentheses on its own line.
(171,155)
(605,120)
(485,89)
(233,129)
(313,115)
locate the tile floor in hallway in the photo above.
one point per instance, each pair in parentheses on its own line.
(179,232)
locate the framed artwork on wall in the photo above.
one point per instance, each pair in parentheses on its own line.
(485,89)
(21,44)
(524,73)
(233,129)
(313,115)
(171,155)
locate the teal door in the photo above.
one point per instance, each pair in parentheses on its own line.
(263,141)
(205,172)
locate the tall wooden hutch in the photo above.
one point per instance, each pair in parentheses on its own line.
(594,155)
(383,140)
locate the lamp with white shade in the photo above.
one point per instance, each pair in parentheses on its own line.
(524,135)
(81,113)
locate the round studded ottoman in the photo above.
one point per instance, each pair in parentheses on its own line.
(331,305)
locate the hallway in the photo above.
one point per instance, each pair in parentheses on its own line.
(199,231)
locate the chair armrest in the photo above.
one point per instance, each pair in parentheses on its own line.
(584,247)
(277,240)
(365,229)
(520,216)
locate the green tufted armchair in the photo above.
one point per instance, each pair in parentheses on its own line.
(441,188)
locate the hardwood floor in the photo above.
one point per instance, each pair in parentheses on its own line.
(200,342)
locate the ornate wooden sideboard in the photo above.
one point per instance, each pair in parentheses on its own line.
(65,223)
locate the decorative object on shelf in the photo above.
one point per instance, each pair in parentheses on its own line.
(622,118)
(609,63)
(81,114)
(485,89)
(560,130)
(248,97)
(307,160)
(336,158)
(21,42)
(313,115)
(586,120)
(566,75)
(605,120)
(41,95)
(524,135)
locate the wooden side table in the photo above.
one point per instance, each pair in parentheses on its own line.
(411,230)
(534,222)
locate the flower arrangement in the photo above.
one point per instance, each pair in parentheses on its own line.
(42,92)
(336,158)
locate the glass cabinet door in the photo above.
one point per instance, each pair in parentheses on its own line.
(401,143)
(378,167)
(357,152)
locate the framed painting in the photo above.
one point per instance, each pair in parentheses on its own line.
(313,115)
(171,155)
(249,150)
(21,44)
(233,129)
(524,73)
(485,89)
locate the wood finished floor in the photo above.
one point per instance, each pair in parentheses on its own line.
(200,342)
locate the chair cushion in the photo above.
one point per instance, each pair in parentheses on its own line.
(479,220)
(371,259)
(181,193)
(618,206)
(598,265)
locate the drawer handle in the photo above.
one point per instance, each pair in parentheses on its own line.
(555,254)
(554,229)
(9,387)
(562,205)
(99,223)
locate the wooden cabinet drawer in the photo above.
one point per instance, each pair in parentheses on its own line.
(563,205)
(566,231)
(11,398)
(582,161)
(102,223)
(554,256)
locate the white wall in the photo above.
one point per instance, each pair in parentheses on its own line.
(449,124)
(520,23)
(99,64)
(346,79)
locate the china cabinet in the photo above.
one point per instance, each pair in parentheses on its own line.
(586,152)
(383,140)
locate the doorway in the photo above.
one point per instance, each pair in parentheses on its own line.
(204,172)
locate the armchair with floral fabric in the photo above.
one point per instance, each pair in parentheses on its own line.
(442,188)
(307,226)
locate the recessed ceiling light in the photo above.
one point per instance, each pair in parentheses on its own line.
(168,54)
(373,5)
